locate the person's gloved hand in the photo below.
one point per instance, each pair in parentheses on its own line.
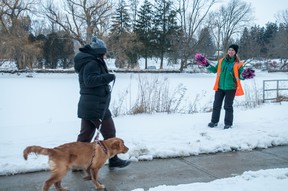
(201,60)
(114,76)
(109,77)
(248,73)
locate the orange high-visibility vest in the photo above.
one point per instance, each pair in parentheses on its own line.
(237,65)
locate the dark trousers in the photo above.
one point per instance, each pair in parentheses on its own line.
(229,96)
(88,128)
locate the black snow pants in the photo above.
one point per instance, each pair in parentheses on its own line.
(229,96)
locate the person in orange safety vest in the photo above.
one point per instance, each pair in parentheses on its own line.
(227,85)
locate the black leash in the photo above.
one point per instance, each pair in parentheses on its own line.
(96,139)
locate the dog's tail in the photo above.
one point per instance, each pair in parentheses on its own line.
(35,149)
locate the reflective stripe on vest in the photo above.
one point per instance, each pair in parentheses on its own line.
(237,65)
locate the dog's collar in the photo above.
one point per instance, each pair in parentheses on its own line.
(101,144)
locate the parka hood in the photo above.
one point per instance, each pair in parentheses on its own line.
(85,55)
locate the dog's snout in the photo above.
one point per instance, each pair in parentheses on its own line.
(125,149)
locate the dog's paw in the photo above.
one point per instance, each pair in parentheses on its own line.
(100,186)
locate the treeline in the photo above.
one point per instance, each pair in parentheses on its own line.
(47,33)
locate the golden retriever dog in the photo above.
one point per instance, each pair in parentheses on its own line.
(90,156)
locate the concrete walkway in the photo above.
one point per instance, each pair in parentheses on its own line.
(147,174)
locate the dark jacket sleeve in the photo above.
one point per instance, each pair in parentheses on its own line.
(94,75)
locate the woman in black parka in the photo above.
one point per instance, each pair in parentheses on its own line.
(95,95)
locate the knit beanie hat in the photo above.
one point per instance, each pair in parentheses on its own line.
(98,45)
(235,47)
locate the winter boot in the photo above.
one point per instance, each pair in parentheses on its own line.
(227,126)
(211,124)
(116,162)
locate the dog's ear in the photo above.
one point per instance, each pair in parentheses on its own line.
(116,145)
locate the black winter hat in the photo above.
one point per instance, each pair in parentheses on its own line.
(235,47)
(99,45)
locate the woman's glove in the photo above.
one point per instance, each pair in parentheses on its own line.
(248,73)
(109,77)
(201,60)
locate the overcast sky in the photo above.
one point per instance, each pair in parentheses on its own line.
(265,10)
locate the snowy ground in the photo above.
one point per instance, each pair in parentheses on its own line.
(42,111)
(264,180)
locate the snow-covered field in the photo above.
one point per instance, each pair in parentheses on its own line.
(42,111)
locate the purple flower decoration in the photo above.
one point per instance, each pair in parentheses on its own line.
(248,73)
(201,60)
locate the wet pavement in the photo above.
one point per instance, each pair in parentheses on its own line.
(148,174)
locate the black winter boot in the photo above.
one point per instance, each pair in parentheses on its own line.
(211,124)
(116,162)
(227,126)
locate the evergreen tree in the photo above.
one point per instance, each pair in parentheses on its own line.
(121,21)
(143,29)
(271,30)
(67,54)
(165,27)
(247,45)
(134,9)
(268,37)
(122,40)
(280,47)
(252,42)
(257,42)
(205,43)
(58,50)
(51,49)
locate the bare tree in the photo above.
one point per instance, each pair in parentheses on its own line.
(192,17)
(12,11)
(15,27)
(216,24)
(80,18)
(282,17)
(230,20)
